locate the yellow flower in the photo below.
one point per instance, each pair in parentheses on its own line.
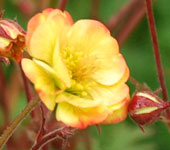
(77,66)
(12,39)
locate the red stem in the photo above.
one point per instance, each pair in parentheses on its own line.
(26,85)
(62,133)
(95,9)
(43,4)
(125,11)
(152,28)
(1,4)
(42,128)
(126,20)
(4,101)
(132,22)
(63,4)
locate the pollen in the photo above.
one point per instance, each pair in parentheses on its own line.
(79,64)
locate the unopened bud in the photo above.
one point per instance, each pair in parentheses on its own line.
(146,107)
(12,39)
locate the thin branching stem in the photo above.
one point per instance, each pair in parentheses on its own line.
(152,28)
(16,122)
(124,22)
(130,25)
(58,133)
(127,10)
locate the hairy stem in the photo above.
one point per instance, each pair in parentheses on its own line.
(10,130)
(61,133)
(152,28)
(138,85)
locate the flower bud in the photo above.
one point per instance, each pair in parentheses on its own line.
(12,39)
(145,107)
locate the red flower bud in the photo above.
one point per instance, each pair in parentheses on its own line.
(146,107)
(12,39)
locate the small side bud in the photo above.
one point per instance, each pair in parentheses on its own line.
(12,39)
(145,107)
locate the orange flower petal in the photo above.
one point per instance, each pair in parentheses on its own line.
(48,99)
(33,24)
(80,117)
(119,112)
(42,37)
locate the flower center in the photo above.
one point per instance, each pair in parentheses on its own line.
(80,66)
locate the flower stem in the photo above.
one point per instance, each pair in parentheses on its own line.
(26,85)
(61,133)
(10,130)
(152,28)
(1,4)
(3,96)
(63,4)
(130,25)
(124,22)
(126,11)
(95,9)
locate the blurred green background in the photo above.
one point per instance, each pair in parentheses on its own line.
(137,51)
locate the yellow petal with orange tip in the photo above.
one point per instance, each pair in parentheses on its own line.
(118,112)
(47,99)
(33,24)
(80,117)
(42,41)
(44,80)
(40,18)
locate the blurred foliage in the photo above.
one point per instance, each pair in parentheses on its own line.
(138,52)
(120,136)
